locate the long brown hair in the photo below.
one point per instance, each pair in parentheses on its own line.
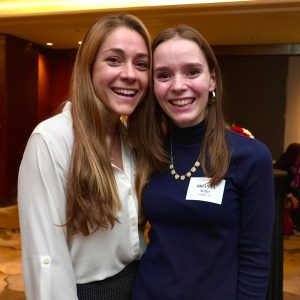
(92,197)
(214,154)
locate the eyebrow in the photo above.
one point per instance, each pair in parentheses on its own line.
(121,52)
(194,65)
(159,69)
(188,65)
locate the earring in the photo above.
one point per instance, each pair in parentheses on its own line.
(211,97)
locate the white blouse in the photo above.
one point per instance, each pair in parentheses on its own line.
(53,262)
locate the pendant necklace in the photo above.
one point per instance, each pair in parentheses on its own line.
(186,175)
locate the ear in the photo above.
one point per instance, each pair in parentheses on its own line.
(212,84)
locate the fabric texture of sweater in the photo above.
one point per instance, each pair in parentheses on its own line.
(200,250)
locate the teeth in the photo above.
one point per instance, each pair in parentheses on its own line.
(125,92)
(182,102)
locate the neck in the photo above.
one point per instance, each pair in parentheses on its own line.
(188,135)
(110,138)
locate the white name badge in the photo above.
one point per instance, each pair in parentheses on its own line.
(200,190)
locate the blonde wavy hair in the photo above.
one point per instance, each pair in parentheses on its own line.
(92,197)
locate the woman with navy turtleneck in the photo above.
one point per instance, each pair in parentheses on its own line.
(211,204)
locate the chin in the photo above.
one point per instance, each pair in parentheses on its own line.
(126,112)
(182,123)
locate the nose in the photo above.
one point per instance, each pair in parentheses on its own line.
(178,83)
(129,72)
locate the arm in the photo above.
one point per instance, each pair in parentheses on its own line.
(47,266)
(257,217)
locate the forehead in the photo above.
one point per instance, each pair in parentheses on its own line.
(126,39)
(178,49)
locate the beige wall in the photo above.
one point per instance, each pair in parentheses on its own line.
(292,115)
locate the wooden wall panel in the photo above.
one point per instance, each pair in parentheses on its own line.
(55,68)
(255,95)
(33,81)
(44,88)
(3,162)
(61,69)
(22,100)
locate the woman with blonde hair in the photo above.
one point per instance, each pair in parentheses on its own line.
(77,180)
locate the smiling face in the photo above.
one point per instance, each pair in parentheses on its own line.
(120,74)
(182,81)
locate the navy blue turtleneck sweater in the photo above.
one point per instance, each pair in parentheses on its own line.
(201,250)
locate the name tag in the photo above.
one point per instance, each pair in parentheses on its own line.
(200,190)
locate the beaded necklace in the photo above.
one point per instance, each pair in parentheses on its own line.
(186,175)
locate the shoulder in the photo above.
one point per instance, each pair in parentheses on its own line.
(57,129)
(250,163)
(245,148)
(54,134)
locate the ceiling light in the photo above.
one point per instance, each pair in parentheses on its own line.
(23,7)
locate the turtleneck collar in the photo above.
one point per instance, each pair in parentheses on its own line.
(188,135)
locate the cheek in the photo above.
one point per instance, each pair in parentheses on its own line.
(98,79)
(159,95)
(202,88)
(144,79)
(159,90)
